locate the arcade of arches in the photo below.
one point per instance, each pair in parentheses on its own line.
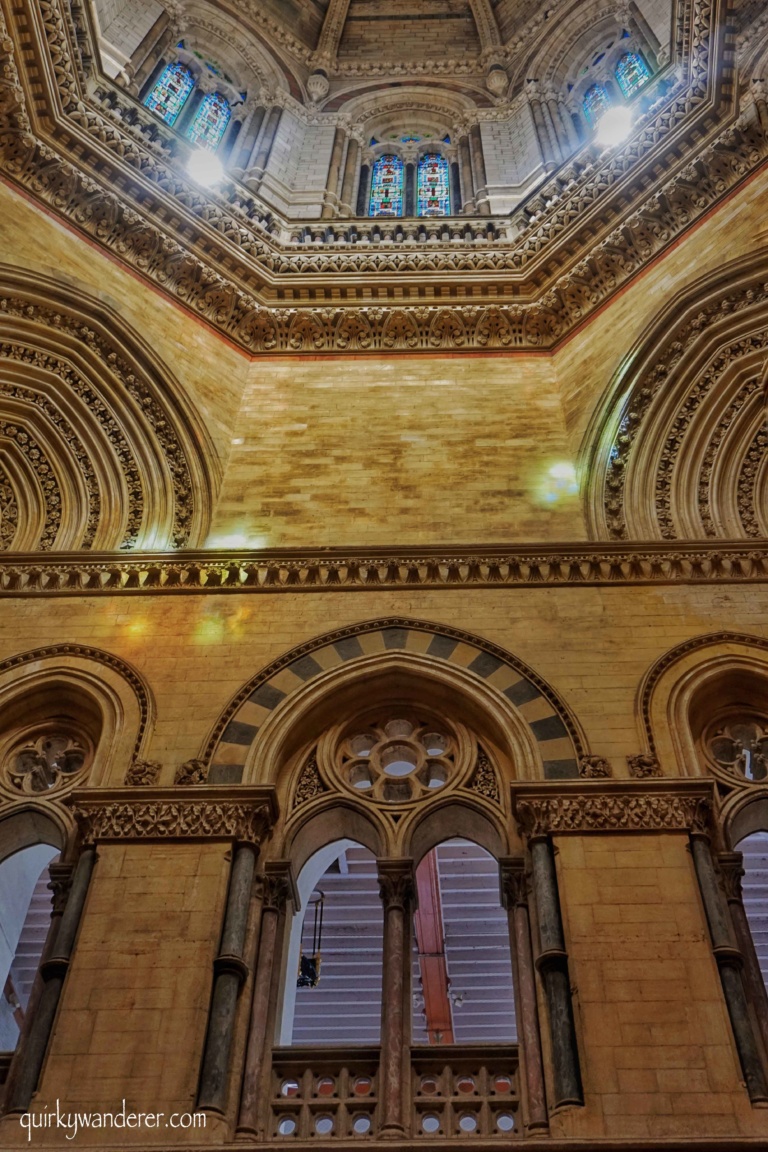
(384,573)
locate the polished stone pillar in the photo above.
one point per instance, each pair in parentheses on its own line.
(552,963)
(482,207)
(277,888)
(246,141)
(397,888)
(364,190)
(334,169)
(455,189)
(258,167)
(189,111)
(732,869)
(465,168)
(514,888)
(52,971)
(351,165)
(409,199)
(729,962)
(230,971)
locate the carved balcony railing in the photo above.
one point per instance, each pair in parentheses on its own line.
(469,1091)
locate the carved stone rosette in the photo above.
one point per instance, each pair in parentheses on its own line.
(191,772)
(644,766)
(142,773)
(594,768)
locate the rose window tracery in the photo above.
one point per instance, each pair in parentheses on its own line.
(739,746)
(48,760)
(398,759)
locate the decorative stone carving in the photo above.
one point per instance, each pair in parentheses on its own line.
(644,765)
(514,882)
(396,884)
(142,773)
(594,768)
(275,889)
(47,762)
(317,85)
(191,772)
(611,813)
(310,783)
(484,780)
(60,882)
(173,820)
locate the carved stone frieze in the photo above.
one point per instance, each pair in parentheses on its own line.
(113,815)
(223,263)
(610,812)
(214,572)
(143,773)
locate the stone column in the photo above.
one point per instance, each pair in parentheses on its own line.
(465,168)
(455,189)
(247,138)
(409,199)
(482,207)
(230,971)
(396,885)
(52,971)
(514,888)
(569,128)
(189,111)
(732,869)
(334,168)
(259,164)
(351,164)
(542,132)
(552,962)
(277,887)
(364,190)
(729,962)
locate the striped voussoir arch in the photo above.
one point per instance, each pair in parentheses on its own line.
(552,725)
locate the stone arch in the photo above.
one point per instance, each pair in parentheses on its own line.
(554,737)
(457,819)
(30,824)
(688,683)
(99,448)
(114,701)
(678,450)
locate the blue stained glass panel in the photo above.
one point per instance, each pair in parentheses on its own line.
(434,193)
(210,122)
(632,73)
(596,102)
(169,95)
(387,187)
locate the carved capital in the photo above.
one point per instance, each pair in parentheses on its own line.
(59,884)
(514,881)
(731,866)
(644,766)
(277,886)
(397,886)
(142,773)
(594,768)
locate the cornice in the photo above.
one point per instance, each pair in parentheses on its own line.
(578,564)
(251,276)
(208,812)
(612,806)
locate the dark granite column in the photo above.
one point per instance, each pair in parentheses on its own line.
(276,890)
(730,963)
(230,971)
(364,190)
(514,888)
(396,885)
(52,971)
(409,204)
(732,870)
(552,962)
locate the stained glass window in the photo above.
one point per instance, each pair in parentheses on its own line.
(211,119)
(169,95)
(596,102)
(387,187)
(434,197)
(632,72)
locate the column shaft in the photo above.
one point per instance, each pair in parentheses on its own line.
(247,138)
(409,206)
(397,887)
(364,190)
(553,965)
(259,165)
(350,175)
(465,168)
(230,971)
(334,168)
(478,170)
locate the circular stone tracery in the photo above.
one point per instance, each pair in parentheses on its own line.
(397,758)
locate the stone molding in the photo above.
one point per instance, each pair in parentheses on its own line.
(224,261)
(129,814)
(335,570)
(612,806)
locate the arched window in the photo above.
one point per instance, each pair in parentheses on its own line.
(387,187)
(632,73)
(595,103)
(171,92)
(434,195)
(755,889)
(25,905)
(210,122)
